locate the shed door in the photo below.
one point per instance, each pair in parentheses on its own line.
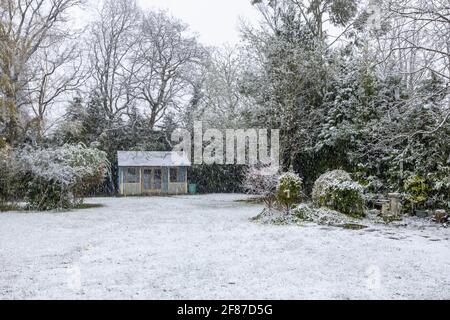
(151,179)
(157,175)
(147,179)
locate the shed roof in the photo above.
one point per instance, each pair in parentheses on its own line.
(152,159)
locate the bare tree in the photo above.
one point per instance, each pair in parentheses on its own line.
(57,71)
(112,38)
(25,28)
(221,102)
(417,37)
(163,64)
(415,44)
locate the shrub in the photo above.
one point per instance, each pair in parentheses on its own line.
(10,177)
(440,187)
(92,166)
(306,212)
(47,195)
(4,174)
(416,189)
(289,190)
(58,176)
(262,182)
(336,190)
(217,178)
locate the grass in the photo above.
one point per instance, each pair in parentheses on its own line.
(253,200)
(4,207)
(88,206)
(353,226)
(391,218)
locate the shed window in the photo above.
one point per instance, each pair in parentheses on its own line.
(132,175)
(173,174)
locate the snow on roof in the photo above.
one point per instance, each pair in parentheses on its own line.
(152,159)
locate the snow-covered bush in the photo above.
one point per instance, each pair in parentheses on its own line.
(262,182)
(42,194)
(9,176)
(440,187)
(336,190)
(289,190)
(59,175)
(306,212)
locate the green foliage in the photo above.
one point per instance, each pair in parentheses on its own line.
(336,190)
(11,184)
(45,195)
(217,178)
(417,190)
(326,216)
(97,163)
(9,207)
(289,189)
(56,178)
(439,181)
(336,111)
(346,198)
(5,176)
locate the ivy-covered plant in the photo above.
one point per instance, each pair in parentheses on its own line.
(289,190)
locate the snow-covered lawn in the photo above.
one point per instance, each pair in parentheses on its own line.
(194,247)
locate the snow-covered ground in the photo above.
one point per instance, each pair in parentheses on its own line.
(194,247)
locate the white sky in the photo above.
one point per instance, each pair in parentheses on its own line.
(215,21)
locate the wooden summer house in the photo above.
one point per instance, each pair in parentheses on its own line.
(150,172)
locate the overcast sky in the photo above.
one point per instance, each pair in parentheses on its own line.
(215,21)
